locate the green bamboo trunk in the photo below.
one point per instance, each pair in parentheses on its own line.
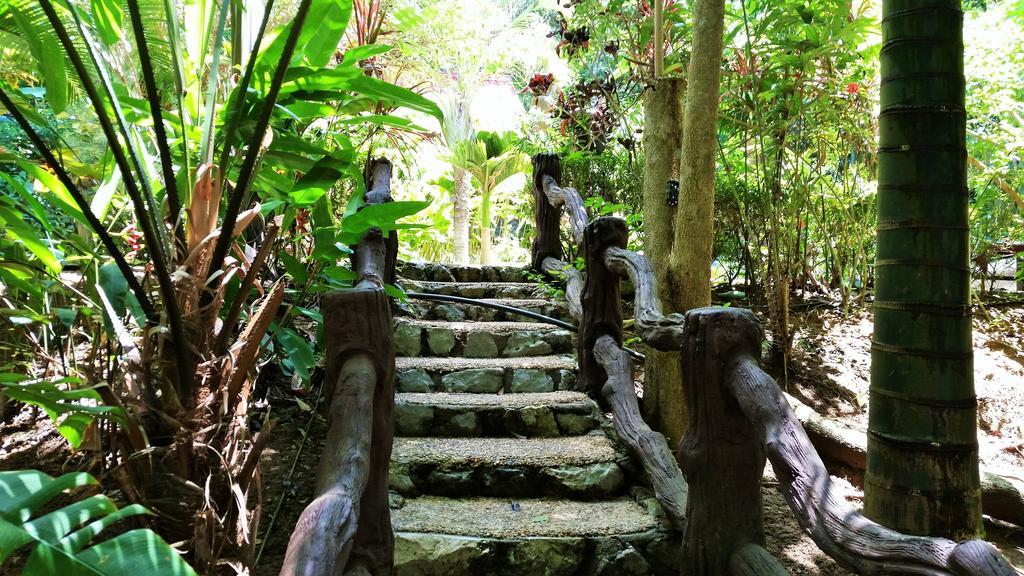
(922,472)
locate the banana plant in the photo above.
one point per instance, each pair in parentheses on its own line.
(63,540)
(490,159)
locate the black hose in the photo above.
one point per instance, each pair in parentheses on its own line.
(502,307)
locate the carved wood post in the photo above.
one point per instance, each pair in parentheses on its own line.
(377,177)
(602,305)
(347,528)
(721,455)
(359,323)
(547,218)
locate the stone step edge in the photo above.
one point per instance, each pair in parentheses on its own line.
(463,340)
(527,414)
(422,375)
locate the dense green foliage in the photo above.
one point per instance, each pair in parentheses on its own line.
(166,180)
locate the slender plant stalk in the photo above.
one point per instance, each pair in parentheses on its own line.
(228,135)
(174,321)
(206,144)
(134,153)
(247,171)
(164,149)
(173,33)
(659,38)
(108,242)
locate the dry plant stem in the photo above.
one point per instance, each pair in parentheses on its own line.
(248,343)
(840,531)
(573,284)
(664,333)
(252,459)
(646,445)
(573,203)
(243,291)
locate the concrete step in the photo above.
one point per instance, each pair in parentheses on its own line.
(480,339)
(437,536)
(545,414)
(457,312)
(585,467)
(519,290)
(486,375)
(462,272)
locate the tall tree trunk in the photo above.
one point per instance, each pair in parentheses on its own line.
(663,127)
(461,191)
(457,128)
(691,252)
(486,257)
(922,469)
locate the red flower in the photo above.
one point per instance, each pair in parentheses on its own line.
(852,88)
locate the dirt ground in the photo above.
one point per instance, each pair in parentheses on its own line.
(830,372)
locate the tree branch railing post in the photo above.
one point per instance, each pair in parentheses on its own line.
(739,418)
(347,527)
(606,369)
(546,242)
(601,301)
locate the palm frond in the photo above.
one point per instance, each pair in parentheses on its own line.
(62,538)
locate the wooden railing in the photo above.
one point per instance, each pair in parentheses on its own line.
(738,417)
(347,527)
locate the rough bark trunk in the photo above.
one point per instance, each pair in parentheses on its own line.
(721,455)
(663,128)
(461,190)
(546,241)
(486,255)
(601,302)
(691,251)
(922,470)
(349,522)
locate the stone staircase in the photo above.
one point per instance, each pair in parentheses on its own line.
(498,467)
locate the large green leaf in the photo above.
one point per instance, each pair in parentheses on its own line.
(382,216)
(297,350)
(62,537)
(317,182)
(380,90)
(318,40)
(18,230)
(71,410)
(41,41)
(59,194)
(108,18)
